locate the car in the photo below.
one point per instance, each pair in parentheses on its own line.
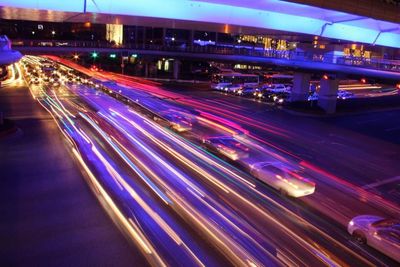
(278,88)
(377,232)
(259,93)
(283,177)
(232,88)
(343,94)
(246,90)
(279,98)
(178,121)
(227,146)
(35,80)
(313,96)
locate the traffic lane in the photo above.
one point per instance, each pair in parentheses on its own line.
(191,240)
(388,188)
(111,102)
(231,202)
(341,157)
(177,255)
(159,171)
(131,131)
(79,230)
(285,246)
(380,125)
(174,256)
(369,159)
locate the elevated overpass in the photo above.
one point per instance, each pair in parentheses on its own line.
(301,63)
(228,16)
(298,61)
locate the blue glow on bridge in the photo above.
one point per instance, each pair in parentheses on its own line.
(268,14)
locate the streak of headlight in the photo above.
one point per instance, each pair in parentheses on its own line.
(239,196)
(128,224)
(176,154)
(63,107)
(195,216)
(154,155)
(154,215)
(153,187)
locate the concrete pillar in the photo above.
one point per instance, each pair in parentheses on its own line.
(144,37)
(164,34)
(191,38)
(301,87)
(177,68)
(327,95)
(146,69)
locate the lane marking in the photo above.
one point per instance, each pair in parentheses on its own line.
(386,181)
(392,129)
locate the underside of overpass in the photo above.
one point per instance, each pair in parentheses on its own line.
(294,64)
(228,16)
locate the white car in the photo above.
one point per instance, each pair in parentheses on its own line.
(283,177)
(232,88)
(342,94)
(379,233)
(278,88)
(227,146)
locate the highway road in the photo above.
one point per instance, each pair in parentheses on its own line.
(180,203)
(48,215)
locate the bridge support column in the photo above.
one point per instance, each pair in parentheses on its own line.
(301,87)
(146,69)
(327,95)
(191,38)
(164,34)
(177,68)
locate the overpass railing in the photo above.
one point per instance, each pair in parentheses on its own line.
(379,64)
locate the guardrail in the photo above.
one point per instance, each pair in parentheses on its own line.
(385,65)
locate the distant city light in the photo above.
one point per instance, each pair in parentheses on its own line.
(325,77)
(95,55)
(76,56)
(53,32)
(113,55)
(134,55)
